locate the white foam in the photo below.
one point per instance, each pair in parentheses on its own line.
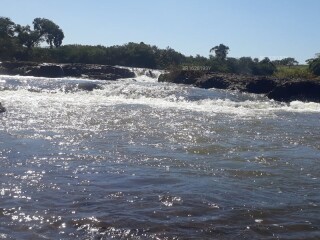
(144,91)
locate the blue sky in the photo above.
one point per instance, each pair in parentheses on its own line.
(256,28)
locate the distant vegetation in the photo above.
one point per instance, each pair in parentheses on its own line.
(23,43)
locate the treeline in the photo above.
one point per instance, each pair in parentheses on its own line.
(22,43)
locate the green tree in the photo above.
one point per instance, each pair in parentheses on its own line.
(27,37)
(7,27)
(50,31)
(9,45)
(221,51)
(264,67)
(288,61)
(314,65)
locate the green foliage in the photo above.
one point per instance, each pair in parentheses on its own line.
(264,67)
(299,71)
(314,66)
(21,43)
(16,41)
(6,27)
(221,51)
(131,54)
(49,31)
(289,61)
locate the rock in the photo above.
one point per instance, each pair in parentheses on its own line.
(88,86)
(259,86)
(95,71)
(90,71)
(71,70)
(180,77)
(306,90)
(212,82)
(2,109)
(150,74)
(52,71)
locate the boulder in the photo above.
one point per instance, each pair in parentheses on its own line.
(180,77)
(213,82)
(304,90)
(2,109)
(90,71)
(95,71)
(88,86)
(51,71)
(260,86)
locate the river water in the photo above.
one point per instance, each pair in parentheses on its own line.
(138,159)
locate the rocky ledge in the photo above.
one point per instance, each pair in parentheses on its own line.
(88,71)
(285,90)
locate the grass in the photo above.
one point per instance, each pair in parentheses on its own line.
(299,71)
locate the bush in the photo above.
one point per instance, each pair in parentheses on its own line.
(314,66)
(293,72)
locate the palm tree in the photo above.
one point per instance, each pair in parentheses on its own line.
(221,51)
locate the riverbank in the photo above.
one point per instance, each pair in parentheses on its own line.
(279,89)
(87,71)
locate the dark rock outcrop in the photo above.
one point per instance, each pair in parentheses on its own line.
(275,88)
(2,108)
(50,71)
(296,90)
(263,85)
(88,71)
(212,82)
(94,71)
(180,77)
(88,86)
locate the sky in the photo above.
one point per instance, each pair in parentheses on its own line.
(255,28)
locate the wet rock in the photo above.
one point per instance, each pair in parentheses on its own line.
(2,108)
(89,71)
(95,71)
(306,90)
(275,88)
(259,86)
(50,71)
(88,86)
(180,77)
(213,82)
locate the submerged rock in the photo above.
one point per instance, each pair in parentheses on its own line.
(88,86)
(2,109)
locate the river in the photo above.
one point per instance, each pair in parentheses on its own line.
(138,159)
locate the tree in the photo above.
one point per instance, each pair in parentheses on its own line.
(43,30)
(221,51)
(50,31)
(27,37)
(289,61)
(7,27)
(264,67)
(314,66)
(8,42)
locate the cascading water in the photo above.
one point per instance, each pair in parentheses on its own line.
(138,159)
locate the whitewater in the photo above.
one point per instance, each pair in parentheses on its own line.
(139,159)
